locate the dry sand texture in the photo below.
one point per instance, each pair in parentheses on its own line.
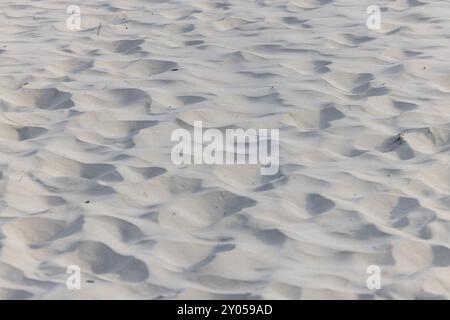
(86,176)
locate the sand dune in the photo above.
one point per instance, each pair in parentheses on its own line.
(86,176)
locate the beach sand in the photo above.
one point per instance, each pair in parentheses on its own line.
(87,179)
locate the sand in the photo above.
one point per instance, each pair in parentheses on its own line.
(86,176)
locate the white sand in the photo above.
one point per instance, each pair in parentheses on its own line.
(88,118)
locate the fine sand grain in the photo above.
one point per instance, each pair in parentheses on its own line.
(86,176)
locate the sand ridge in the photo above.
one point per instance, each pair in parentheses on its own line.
(86,176)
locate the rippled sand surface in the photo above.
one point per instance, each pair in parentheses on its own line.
(86,176)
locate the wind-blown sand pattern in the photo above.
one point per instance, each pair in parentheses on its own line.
(86,176)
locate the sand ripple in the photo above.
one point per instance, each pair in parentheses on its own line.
(85,170)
